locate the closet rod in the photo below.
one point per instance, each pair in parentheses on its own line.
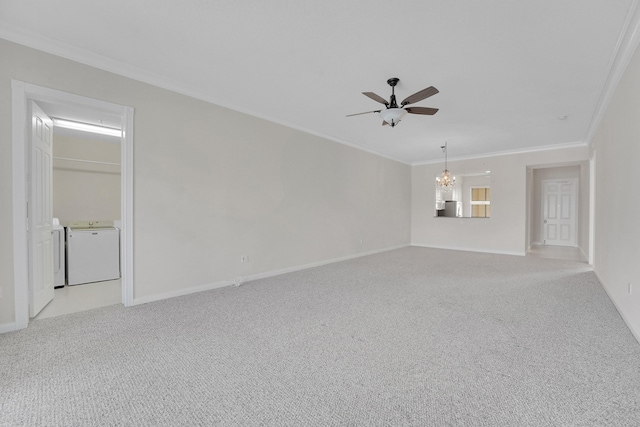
(86,161)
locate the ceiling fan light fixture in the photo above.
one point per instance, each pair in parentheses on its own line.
(393,115)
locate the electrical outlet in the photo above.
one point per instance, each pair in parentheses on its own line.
(630,288)
(244,258)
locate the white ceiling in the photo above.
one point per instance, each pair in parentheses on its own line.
(506,69)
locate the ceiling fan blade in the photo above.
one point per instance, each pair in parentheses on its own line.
(375,97)
(422,110)
(419,96)
(366,112)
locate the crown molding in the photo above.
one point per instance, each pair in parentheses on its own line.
(527,150)
(104,63)
(625,48)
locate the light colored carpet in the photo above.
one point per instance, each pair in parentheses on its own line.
(412,337)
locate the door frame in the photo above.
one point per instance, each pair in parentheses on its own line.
(574,213)
(592,207)
(21,94)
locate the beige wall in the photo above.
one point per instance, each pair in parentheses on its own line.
(617,211)
(506,230)
(85,190)
(212,184)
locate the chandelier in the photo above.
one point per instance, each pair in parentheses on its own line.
(445,182)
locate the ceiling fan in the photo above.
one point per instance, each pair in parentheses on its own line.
(393,114)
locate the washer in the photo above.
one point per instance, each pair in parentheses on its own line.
(59,267)
(93,252)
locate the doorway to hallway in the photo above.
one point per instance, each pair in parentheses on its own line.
(558,211)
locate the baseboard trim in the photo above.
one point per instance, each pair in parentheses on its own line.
(585,256)
(181,292)
(318,264)
(8,327)
(630,325)
(252,277)
(455,248)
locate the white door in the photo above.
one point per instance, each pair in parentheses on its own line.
(559,212)
(40,211)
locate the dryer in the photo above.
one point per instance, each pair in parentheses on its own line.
(93,252)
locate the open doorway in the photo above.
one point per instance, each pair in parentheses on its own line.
(86,183)
(80,109)
(558,211)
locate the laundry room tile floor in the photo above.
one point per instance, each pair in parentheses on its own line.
(72,299)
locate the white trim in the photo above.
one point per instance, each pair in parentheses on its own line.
(527,150)
(457,248)
(319,263)
(20,257)
(592,208)
(7,327)
(584,256)
(21,93)
(625,48)
(126,195)
(182,292)
(632,328)
(107,64)
(245,279)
